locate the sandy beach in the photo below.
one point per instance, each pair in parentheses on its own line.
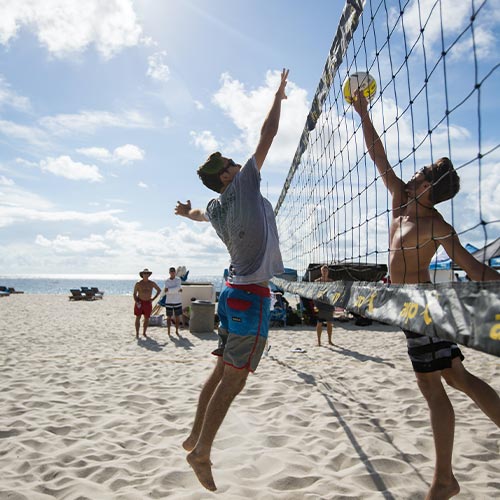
(88,412)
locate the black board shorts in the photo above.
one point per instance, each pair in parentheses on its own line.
(430,354)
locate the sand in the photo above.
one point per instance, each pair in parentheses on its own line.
(87,412)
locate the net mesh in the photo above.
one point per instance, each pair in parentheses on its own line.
(437,77)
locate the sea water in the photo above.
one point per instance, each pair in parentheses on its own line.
(109,284)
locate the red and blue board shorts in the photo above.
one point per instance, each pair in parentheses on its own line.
(244,312)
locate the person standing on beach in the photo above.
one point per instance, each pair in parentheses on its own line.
(143,303)
(244,221)
(416,232)
(325,311)
(173,305)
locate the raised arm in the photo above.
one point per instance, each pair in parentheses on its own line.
(271,123)
(376,149)
(477,271)
(185,210)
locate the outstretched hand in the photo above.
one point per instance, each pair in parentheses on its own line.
(183,208)
(281,89)
(360,103)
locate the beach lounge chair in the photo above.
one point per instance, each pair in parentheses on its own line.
(97,293)
(13,290)
(76,294)
(88,294)
(4,291)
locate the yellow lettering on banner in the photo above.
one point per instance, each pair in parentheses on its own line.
(495,329)
(335,297)
(371,299)
(427,315)
(361,300)
(409,311)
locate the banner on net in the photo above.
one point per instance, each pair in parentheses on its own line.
(465,313)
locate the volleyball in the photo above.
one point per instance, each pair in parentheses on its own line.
(362,81)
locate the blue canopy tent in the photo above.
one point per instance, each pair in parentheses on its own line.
(489,254)
(441,261)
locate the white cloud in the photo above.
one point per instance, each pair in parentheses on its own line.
(204,140)
(64,166)
(248,109)
(31,135)
(62,244)
(157,69)
(16,198)
(484,42)
(127,153)
(18,205)
(16,213)
(88,122)
(68,26)
(102,154)
(4,181)
(429,13)
(199,105)
(142,185)
(8,97)
(167,122)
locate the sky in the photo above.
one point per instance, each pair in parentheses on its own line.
(107,108)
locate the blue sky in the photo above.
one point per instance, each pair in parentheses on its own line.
(108,106)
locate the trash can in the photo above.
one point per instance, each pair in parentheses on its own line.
(202,316)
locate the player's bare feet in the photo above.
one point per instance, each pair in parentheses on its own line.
(443,491)
(202,467)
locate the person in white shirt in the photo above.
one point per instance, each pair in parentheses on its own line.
(173,305)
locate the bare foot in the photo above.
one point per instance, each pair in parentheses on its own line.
(319,345)
(331,343)
(443,491)
(203,470)
(145,336)
(189,443)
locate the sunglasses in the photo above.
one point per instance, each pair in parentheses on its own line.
(230,163)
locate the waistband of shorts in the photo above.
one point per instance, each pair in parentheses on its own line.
(259,290)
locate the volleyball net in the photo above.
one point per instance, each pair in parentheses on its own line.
(437,75)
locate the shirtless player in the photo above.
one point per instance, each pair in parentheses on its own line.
(143,303)
(417,230)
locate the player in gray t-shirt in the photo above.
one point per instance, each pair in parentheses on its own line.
(244,221)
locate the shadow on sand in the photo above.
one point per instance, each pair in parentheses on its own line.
(150,344)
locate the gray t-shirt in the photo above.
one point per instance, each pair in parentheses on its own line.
(244,221)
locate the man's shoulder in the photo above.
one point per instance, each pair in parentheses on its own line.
(440,225)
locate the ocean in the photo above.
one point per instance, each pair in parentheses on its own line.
(109,284)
